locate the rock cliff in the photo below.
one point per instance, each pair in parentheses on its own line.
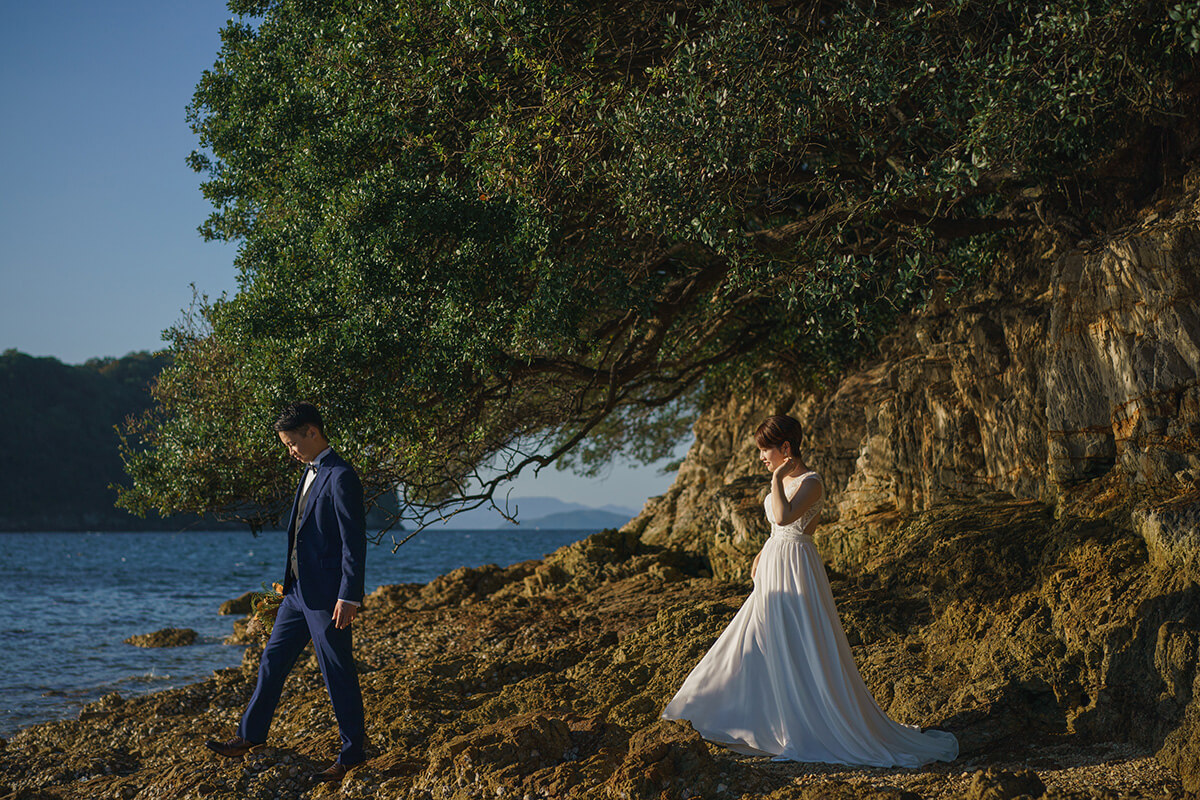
(1072,380)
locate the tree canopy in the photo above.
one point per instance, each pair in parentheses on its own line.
(521,232)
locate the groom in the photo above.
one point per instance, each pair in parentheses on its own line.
(322,588)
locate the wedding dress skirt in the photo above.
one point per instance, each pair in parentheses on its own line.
(781,680)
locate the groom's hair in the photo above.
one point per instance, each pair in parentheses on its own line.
(297,415)
(774,431)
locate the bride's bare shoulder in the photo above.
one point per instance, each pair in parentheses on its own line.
(811,480)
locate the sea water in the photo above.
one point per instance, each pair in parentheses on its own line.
(69,600)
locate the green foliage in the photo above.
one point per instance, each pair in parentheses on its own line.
(264,607)
(1186,19)
(501,233)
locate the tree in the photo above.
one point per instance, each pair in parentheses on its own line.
(516,233)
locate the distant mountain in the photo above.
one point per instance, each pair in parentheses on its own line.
(622,510)
(59,423)
(588,519)
(532,512)
(60,427)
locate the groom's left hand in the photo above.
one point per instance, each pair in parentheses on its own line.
(343,614)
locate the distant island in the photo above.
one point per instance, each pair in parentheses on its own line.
(61,422)
(592,520)
(541,513)
(61,428)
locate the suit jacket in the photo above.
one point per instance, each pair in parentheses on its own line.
(330,539)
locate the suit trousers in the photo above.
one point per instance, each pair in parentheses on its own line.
(294,626)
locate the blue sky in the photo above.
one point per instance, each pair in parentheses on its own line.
(98,210)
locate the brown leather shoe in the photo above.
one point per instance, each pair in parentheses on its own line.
(234,748)
(332,775)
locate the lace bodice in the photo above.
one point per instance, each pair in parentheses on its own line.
(798,527)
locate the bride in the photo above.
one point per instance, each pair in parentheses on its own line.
(781,680)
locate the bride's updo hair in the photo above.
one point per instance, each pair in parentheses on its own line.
(776,430)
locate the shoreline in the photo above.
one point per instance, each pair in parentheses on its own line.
(542,679)
(84,593)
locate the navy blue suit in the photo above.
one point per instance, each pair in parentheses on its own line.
(330,541)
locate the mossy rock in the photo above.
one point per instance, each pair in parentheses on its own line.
(167,637)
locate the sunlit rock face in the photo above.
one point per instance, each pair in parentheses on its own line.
(1125,358)
(1122,386)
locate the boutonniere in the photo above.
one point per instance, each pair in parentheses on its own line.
(264,606)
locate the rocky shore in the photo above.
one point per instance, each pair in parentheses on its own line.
(545,679)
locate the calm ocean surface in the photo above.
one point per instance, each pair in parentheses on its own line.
(69,600)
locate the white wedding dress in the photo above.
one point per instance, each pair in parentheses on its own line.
(781,680)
